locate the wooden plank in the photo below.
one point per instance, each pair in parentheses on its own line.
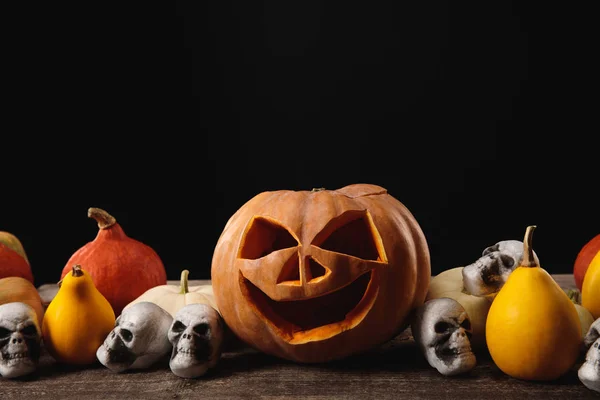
(392,371)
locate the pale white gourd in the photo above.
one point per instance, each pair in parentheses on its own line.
(174,297)
(585,316)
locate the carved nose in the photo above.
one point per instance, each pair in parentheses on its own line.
(17,340)
(186,336)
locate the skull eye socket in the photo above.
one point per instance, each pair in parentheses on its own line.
(29,330)
(441,327)
(4,333)
(201,329)
(507,261)
(178,327)
(466,324)
(596,345)
(126,335)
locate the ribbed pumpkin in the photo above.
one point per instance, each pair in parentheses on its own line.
(13,259)
(121,267)
(15,288)
(318,275)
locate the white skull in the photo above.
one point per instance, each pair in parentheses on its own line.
(589,372)
(197,337)
(489,273)
(442,330)
(20,339)
(138,340)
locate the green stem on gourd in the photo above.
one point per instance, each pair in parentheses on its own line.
(104,219)
(183,286)
(528,259)
(574,295)
(318,189)
(77,270)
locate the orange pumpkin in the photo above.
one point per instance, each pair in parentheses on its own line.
(13,259)
(313,276)
(121,267)
(584,258)
(17,289)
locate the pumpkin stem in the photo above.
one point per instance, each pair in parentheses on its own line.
(184,282)
(77,270)
(104,219)
(318,189)
(528,259)
(574,295)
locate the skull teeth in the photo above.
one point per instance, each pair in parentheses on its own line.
(14,356)
(457,351)
(188,352)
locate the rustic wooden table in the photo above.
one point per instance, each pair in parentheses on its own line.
(395,370)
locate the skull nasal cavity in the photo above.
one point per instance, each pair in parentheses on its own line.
(263,237)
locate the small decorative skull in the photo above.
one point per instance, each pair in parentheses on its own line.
(589,372)
(196,335)
(20,338)
(489,272)
(138,340)
(442,330)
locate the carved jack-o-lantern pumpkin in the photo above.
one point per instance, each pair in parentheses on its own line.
(313,276)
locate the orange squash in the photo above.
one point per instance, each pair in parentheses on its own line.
(13,259)
(313,276)
(584,258)
(122,268)
(15,288)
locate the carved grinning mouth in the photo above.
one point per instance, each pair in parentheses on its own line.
(351,235)
(299,321)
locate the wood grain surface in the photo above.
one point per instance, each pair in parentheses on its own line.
(395,370)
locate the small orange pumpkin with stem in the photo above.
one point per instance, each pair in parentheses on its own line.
(121,267)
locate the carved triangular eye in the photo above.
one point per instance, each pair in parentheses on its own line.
(263,237)
(352,233)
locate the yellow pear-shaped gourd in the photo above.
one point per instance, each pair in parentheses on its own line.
(532,330)
(77,320)
(590,289)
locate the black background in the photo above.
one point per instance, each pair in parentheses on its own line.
(481,118)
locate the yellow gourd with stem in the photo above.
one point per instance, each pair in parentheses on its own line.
(533,330)
(590,289)
(77,320)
